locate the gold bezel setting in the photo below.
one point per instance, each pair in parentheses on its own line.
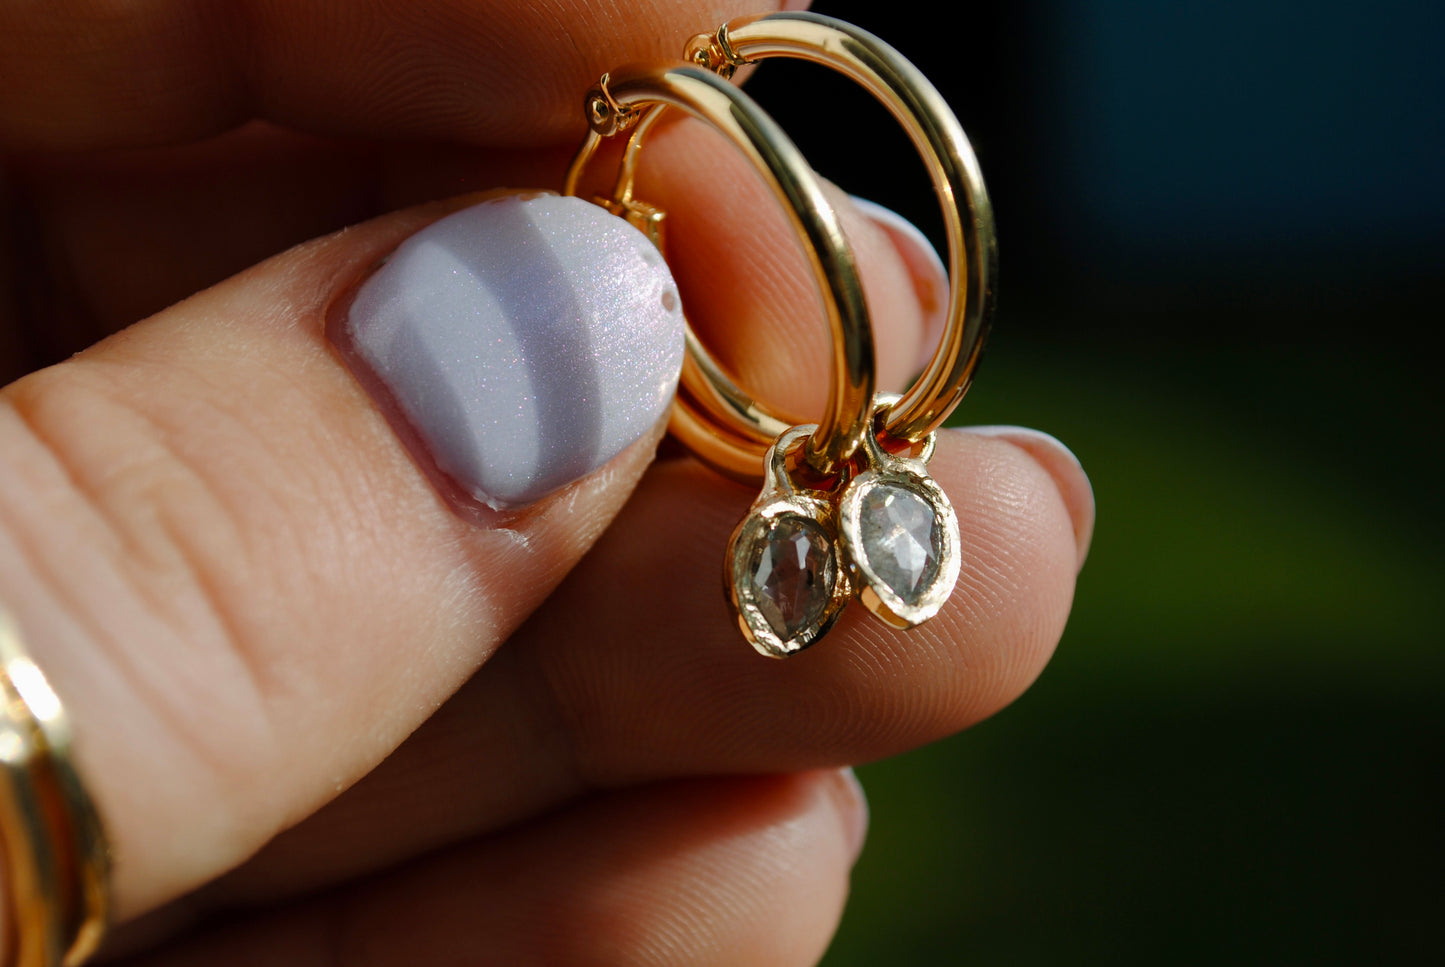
(816,520)
(894,606)
(779,503)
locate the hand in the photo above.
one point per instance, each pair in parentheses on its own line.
(307,693)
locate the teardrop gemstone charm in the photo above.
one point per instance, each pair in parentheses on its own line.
(899,536)
(785,576)
(792,572)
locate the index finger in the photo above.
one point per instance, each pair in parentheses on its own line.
(86,74)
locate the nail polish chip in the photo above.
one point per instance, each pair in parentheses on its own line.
(527,340)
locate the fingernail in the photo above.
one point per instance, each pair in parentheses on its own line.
(1064,467)
(525,341)
(855,810)
(925,269)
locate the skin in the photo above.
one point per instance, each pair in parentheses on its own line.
(326,718)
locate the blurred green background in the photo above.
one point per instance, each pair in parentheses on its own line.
(1222,230)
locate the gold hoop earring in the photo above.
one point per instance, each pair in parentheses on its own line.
(845,515)
(952,167)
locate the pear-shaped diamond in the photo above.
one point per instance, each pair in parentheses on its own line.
(791,575)
(900,540)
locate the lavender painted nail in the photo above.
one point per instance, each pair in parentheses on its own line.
(527,340)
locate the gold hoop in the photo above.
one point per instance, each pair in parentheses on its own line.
(57,863)
(875,525)
(632,101)
(953,168)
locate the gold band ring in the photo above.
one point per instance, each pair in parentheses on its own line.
(631,101)
(57,863)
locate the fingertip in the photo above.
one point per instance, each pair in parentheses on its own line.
(852,805)
(519,375)
(1063,467)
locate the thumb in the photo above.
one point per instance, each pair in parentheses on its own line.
(238,558)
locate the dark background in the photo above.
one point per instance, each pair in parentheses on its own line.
(1222,235)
